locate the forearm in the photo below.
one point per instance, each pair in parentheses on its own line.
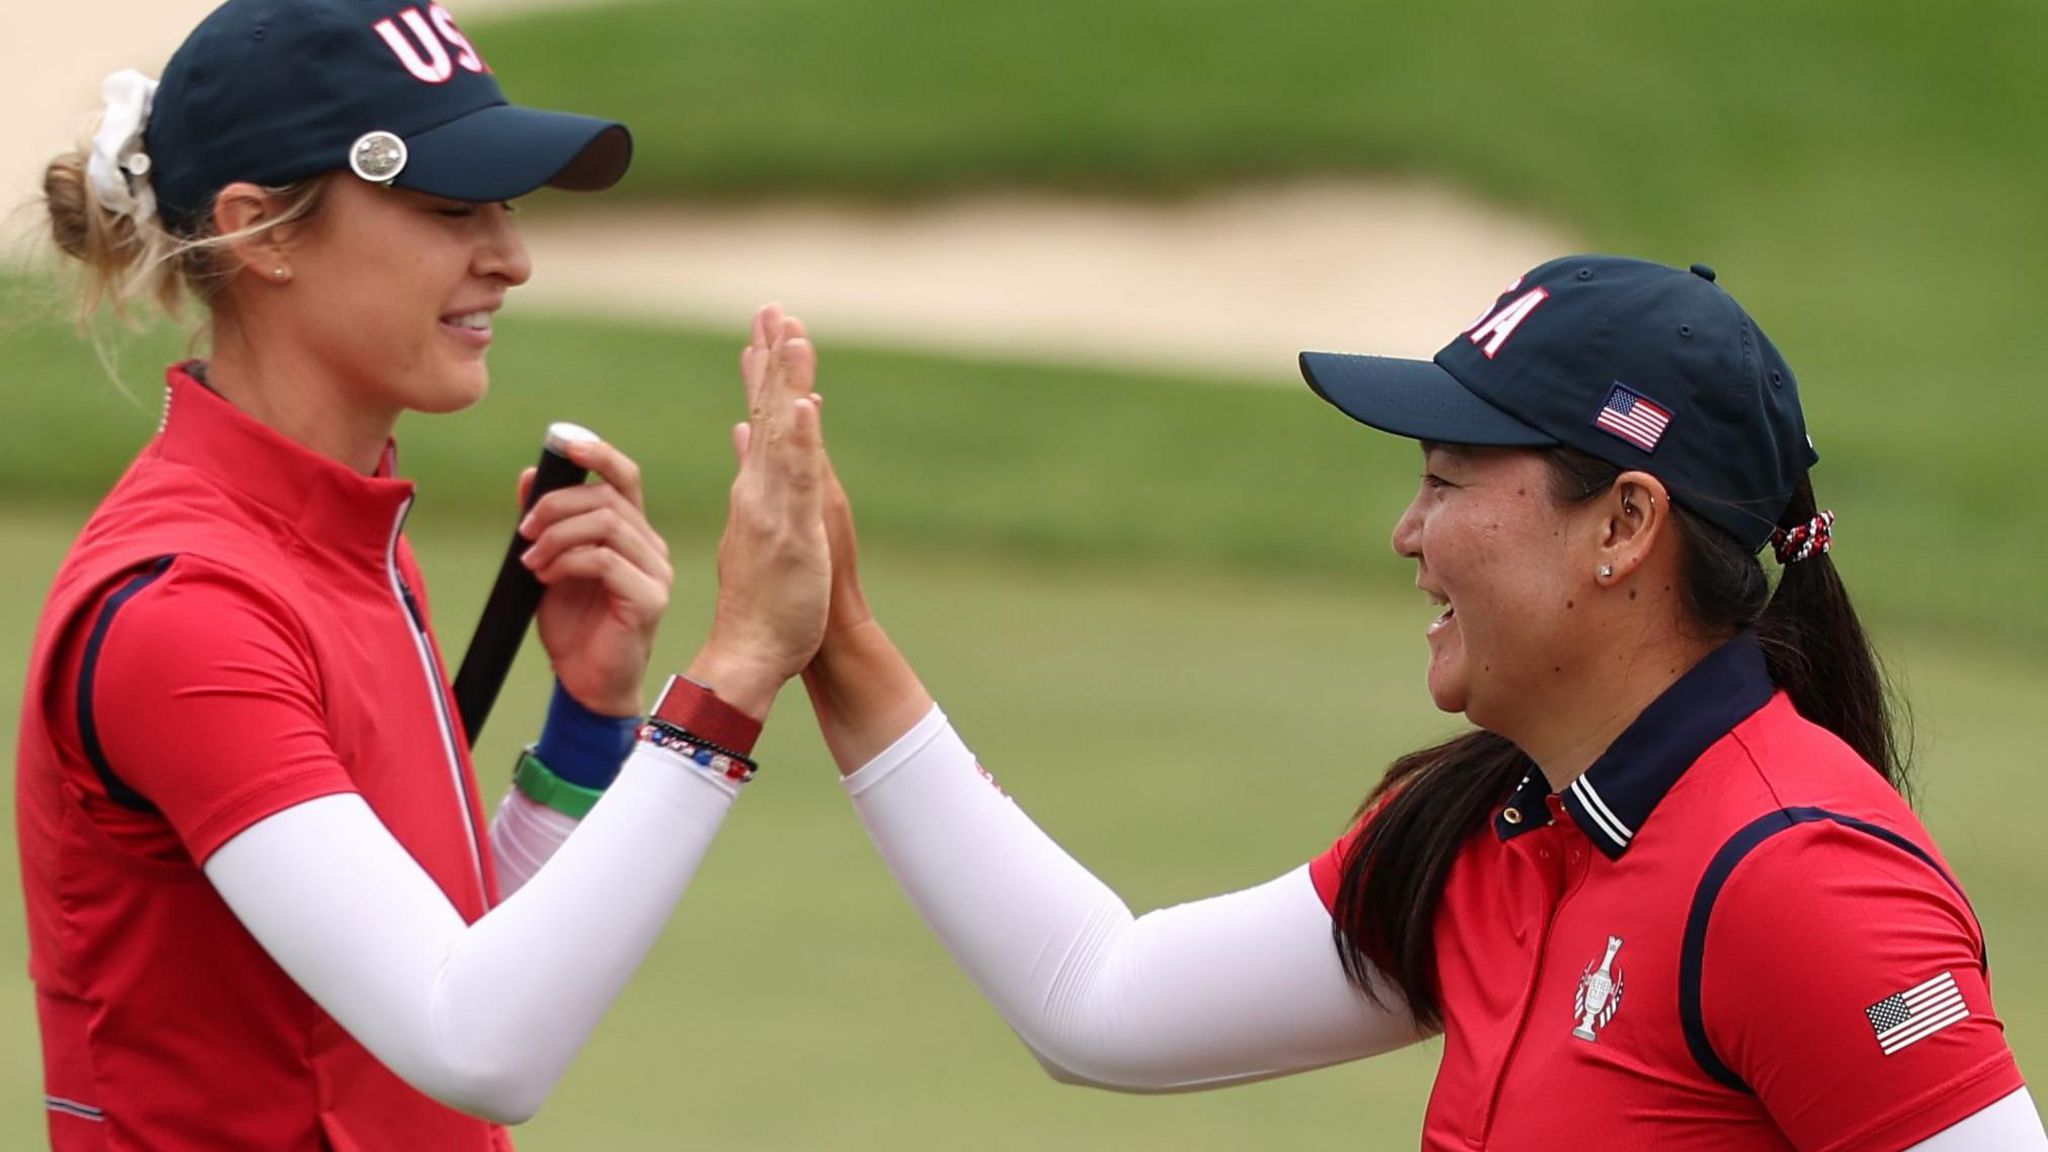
(483,1017)
(1241,987)
(578,748)
(525,835)
(527,984)
(864,692)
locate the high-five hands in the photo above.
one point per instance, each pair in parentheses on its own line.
(774,564)
(864,692)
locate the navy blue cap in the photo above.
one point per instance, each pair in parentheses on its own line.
(277,91)
(1645,367)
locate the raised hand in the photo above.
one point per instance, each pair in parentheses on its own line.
(849,607)
(864,692)
(774,565)
(607,575)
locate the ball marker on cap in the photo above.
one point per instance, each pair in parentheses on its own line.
(377,157)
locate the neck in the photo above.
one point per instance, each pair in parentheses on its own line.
(277,383)
(1569,734)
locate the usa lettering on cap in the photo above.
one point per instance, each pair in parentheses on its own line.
(1493,331)
(425,52)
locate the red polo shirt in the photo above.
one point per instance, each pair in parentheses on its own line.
(1730,934)
(238,629)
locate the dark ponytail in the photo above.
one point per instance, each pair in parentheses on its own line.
(1818,653)
(1432,801)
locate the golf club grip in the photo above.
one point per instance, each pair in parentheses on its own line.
(514,596)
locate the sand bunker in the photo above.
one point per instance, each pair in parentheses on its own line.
(1232,284)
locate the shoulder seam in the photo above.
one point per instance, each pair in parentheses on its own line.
(1733,851)
(255,587)
(117,789)
(1756,767)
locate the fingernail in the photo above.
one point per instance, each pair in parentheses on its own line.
(526,525)
(526,557)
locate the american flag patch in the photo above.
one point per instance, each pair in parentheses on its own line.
(1635,419)
(1906,1018)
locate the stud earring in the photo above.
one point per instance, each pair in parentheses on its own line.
(1606,571)
(280,273)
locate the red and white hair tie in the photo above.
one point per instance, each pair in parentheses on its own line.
(1806,540)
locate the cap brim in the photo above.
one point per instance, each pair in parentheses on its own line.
(1413,398)
(504,151)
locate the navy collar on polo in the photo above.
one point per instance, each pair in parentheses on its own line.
(1616,795)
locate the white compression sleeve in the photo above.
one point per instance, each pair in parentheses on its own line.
(1227,990)
(525,835)
(2010,1125)
(483,1017)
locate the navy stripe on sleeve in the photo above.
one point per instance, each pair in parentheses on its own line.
(88,723)
(1692,952)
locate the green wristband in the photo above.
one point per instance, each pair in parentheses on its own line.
(539,784)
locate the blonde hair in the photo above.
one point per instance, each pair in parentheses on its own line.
(125,262)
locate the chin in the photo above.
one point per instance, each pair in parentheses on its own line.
(452,394)
(1447,690)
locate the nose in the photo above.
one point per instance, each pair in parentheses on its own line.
(503,255)
(1407,537)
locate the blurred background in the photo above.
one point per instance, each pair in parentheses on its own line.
(1058,258)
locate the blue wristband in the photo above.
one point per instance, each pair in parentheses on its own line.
(581,746)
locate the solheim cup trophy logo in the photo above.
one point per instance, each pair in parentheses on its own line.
(1599,994)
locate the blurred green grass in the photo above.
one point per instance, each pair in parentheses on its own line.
(1037,464)
(1116,557)
(1867,182)
(1869,185)
(1605,110)
(797,1002)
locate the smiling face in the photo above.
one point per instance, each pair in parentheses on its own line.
(1511,567)
(393,294)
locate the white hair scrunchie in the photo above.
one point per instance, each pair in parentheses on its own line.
(117,151)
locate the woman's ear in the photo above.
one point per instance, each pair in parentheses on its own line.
(1635,520)
(241,213)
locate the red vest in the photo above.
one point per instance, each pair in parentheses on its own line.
(164,1024)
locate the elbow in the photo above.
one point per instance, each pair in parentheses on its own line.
(496,1088)
(494,1103)
(478,1062)
(500,1101)
(510,1110)
(1105,1071)
(1083,1034)
(1062,1073)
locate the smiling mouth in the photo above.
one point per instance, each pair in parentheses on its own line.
(1441,601)
(473,321)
